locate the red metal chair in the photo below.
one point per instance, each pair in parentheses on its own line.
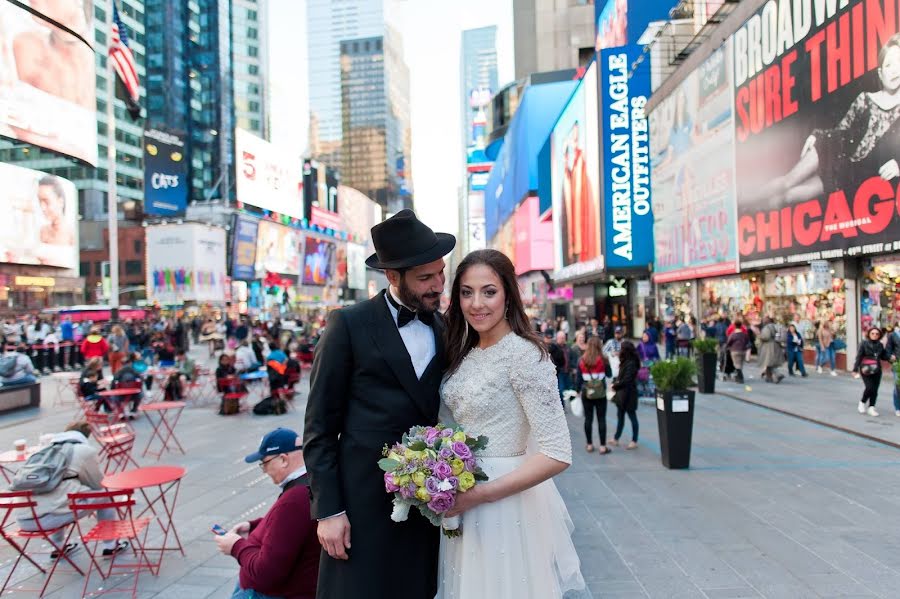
(22,503)
(116,440)
(120,404)
(233,390)
(125,527)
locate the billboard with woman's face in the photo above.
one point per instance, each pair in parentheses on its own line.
(40,214)
(47,77)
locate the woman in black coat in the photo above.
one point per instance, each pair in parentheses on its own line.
(626,398)
(868,365)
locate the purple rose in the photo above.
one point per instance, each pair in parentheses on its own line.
(454,482)
(446,433)
(431,485)
(429,463)
(462,450)
(431,434)
(442,470)
(408,492)
(446,453)
(389,485)
(441,502)
(470,464)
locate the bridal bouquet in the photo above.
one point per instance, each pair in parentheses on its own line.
(427,468)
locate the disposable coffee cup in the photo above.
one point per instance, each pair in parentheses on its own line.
(20,445)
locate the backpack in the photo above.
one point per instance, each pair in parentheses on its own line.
(270,406)
(594,388)
(44,470)
(8,365)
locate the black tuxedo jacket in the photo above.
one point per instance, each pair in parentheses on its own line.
(364,395)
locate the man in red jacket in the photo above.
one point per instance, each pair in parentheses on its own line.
(279,553)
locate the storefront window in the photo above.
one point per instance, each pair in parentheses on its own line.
(793,296)
(880,295)
(676,300)
(731,296)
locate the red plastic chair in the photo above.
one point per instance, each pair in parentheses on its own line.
(22,503)
(125,527)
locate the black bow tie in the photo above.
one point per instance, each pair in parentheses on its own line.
(406,316)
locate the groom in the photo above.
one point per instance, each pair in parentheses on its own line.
(376,373)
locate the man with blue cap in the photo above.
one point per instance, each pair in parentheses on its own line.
(278,553)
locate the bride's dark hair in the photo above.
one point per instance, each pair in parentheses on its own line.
(461,338)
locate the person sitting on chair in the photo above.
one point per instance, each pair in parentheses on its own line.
(128,376)
(16,367)
(92,382)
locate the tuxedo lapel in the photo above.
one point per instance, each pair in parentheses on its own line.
(387,338)
(439,351)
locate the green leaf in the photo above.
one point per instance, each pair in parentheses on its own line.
(480,476)
(418,446)
(673,375)
(388,465)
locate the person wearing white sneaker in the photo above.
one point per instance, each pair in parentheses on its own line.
(868,365)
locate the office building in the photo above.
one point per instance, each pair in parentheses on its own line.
(478,74)
(329,22)
(551,35)
(249,38)
(376,137)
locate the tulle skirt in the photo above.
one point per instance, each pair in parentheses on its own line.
(516,548)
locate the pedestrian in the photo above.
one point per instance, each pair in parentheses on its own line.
(593,394)
(771,354)
(893,349)
(869,356)
(794,347)
(119,347)
(683,336)
(559,355)
(626,397)
(609,329)
(669,334)
(278,553)
(576,351)
(611,350)
(738,346)
(94,345)
(826,347)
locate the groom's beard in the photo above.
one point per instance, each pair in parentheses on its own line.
(428,302)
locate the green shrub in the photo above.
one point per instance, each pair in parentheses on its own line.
(707,345)
(673,375)
(895,366)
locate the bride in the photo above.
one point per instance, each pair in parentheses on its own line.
(515,540)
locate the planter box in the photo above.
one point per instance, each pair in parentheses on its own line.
(675,418)
(20,396)
(706,373)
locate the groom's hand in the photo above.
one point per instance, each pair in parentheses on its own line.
(334,535)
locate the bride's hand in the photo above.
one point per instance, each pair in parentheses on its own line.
(471,498)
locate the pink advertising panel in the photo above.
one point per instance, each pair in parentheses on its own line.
(534,238)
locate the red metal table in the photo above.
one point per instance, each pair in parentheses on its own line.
(64,388)
(14,457)
(160,378)
(164,427)
(120,395)
(167,481)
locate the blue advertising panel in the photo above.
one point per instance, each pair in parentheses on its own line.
(243,266)
(616,25)
(165,172)
(625,139)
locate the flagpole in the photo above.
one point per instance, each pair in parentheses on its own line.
(112,203)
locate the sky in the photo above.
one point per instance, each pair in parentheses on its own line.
(431,31)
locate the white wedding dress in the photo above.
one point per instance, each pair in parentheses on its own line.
(519,547)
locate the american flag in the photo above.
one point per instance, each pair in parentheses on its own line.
(123,62)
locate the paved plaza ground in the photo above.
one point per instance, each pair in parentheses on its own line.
(773,506)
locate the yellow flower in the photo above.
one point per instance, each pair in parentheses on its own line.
(457,466)
(459,436)
(395,456)
(418,477)
(404,480)
(397,479)
(466,481)
(422,495)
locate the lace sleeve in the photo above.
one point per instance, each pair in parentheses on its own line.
(534,383)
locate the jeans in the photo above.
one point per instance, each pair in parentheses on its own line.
(591,406)
(826,354)
(51,521)
(562,383)
(240,593)
(22,380)
(795,356)
(620,422)
(896,400)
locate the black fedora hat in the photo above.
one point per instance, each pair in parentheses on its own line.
(403,241)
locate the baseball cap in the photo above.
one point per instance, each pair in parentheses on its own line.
(281,440)
(617,330)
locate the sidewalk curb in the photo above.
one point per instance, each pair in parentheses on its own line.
(809,419)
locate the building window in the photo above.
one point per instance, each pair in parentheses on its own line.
(98,269)
(133,267)
(138,246)
(84,269)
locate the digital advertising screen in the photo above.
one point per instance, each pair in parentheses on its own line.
(318,261)
(47,77)
(267,176)
(40,218)
(166,181)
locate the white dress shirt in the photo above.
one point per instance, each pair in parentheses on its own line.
(417,336)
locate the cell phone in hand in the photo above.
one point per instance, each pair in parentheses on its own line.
(218,530)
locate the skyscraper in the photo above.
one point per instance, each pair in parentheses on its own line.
(329,22)
(249,62)
(478,71)
(376,137)
(552,34)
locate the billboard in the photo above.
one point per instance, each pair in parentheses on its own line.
(616,25)
(358,212)
(166,181)
(40,222)
(278,248)
(692,175)
(628,219)
(575,174)
(243,265)
(318,261)
(356,266)
(185,263)
(817,122)
(320,187)
(47,78)
(268,177)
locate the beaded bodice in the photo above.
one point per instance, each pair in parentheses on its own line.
(508,393)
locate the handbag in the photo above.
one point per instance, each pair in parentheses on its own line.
(594,388)
(868,366)
(576,407)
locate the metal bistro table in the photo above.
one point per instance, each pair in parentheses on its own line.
(64,388)
(120,395)
(14,457)
(261,377)
(168,413)
(167,481)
